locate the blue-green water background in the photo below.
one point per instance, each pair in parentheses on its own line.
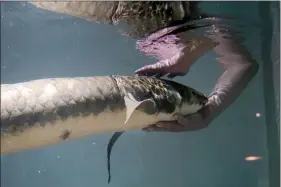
(40,44)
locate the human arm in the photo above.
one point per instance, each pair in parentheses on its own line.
(239,69)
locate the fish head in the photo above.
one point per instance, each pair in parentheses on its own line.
(160,97)
(186,100)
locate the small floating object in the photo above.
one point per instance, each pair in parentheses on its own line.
(253,158)
(258,115)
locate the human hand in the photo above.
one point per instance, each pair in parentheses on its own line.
(239,69)
(196,121)
(177,65)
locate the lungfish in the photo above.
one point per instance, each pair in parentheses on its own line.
(45,112)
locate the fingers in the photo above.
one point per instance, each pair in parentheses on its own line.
(149,74)
(160,69)
(157,67)
(173,75)
(169,75)
(146,71)
(165,126)
(192,122)
(182,124)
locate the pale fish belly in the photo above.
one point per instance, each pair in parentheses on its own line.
(75,128)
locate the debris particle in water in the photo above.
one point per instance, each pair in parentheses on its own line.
(58,156)
(258,115)
(94,143)
(253,158)
(39,171)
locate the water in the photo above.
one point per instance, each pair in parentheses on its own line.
(40,44)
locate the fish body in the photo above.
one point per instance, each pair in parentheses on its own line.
(140,18)
(47,111)
(112,11)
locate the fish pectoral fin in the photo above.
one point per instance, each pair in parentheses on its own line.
(147,106)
